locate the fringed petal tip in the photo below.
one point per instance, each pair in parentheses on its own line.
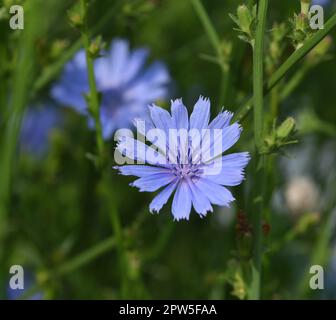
(205,213)
(240,128)
(155,210)
(228,204)
(176,101)
(204,99)
(180,218)
(227,114)
(248,157)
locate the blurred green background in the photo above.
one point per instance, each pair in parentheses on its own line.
(59,205)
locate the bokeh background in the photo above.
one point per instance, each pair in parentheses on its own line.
(56,205)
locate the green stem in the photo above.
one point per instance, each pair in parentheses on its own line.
(3,77)
(87,256)
(121,248)
(320,253)
(51,71)
(274,103)
(302,226)
(17,100)
(216,44)
(75,263)
(289,64)
(236,58)
(93,102)
(120,234)
(224,87)
(161,242)
(293,83)
(258,102)
(207,24)
(258,74)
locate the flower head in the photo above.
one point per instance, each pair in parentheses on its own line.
(189,161)
(125,84)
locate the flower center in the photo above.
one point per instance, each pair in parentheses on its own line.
(183,171)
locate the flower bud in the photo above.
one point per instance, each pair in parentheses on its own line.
(301,22)
(286,128)
(245,18)
(96,46)
(305,4)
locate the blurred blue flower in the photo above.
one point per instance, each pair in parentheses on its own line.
(321,2)
(199,172)
(330,277)
(29,281)
(37,125)
(125,84)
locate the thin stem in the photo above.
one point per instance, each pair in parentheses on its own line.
(258,99)
(307,220)
(161,242)
(321,251)
(216,44)
(258,74)
(223,89)
(237,54)
(122,254)
(207,24)
(75,263)
(3,78)
(93,102)
(274,106)
(87,256)
(289,64)
(108,196)
(293,83)
(320,254)
(17,101)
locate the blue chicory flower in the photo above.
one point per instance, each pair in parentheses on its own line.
(321,2)
(198,174)
(29,282)
(38,123)
(125,84)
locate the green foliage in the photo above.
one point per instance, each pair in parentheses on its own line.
(79,228)
(246,21)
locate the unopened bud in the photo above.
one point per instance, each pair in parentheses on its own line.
(286,128)
(301,22)
(245,18)
(96,46)
(305,4)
